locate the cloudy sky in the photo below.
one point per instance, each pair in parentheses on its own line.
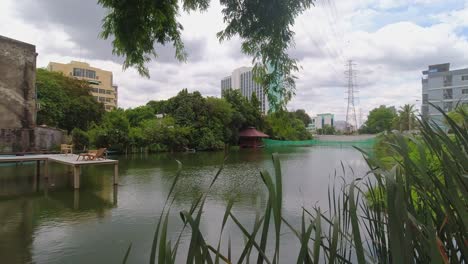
(390,41)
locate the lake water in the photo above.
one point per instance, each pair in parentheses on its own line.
(49,222)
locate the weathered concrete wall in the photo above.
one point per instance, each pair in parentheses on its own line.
(17,84)
(15,140)
(47,138)
(30,140)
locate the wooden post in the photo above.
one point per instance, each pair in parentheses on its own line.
(76,177)
(38,169)
(76,199)
(37,176)
(115,194)
(46,169)
(116,174)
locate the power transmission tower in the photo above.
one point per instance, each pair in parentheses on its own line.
(351,118)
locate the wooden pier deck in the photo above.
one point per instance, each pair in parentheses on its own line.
(66,159)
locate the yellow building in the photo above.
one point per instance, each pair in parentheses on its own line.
(101,81)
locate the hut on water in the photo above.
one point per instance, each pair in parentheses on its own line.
(251,138)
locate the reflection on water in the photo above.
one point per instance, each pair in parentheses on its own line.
(49,222)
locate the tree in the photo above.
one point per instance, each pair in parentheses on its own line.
(165,134)
(380,119)
(303,116)
(66,102)
(406,119)
(255,102)
(326,130)
(112,132)
(159,107)
(244,114)
(282,126)
(264,25)
(80,139)
(136,115)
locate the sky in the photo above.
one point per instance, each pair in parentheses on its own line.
(389,41)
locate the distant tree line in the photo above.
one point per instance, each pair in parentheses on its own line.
(185,121)
(385,118)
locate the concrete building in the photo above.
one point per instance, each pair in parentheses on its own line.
(242,79)
(18,107)
(101,81)
(444,88)
(17,84)
(322,120)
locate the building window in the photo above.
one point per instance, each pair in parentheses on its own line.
(465,78)
(90,74)
(109,107)
(108,91)
(102,91)
(102,99)
(465,91)
(447,80)
(95,90)
(78,72)
(108,100)
(448,94)
(448,106)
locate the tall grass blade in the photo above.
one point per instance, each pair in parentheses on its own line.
(355,225)
(127,254)
(318,237)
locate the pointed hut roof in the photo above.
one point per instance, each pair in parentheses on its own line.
(252,132)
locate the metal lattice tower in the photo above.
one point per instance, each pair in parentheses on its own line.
(351,118)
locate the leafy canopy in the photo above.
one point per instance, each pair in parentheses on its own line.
(65,102)
(380,119)
(264,25)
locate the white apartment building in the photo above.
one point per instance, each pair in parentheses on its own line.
(242,79)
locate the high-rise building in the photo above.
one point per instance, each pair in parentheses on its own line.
(101,81)
(444,88)
(243,79)
(321,120)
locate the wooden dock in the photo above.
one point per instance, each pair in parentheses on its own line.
(66,159)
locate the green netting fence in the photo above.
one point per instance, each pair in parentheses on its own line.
(365,143)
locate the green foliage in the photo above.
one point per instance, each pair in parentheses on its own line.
(264,25)
(189,121)
(430,227)
(80,139)
(380,119)
(303,116)
(460,116)
(282,125)
(326,130)
(112,132)
(137,115)
(406,118)
(166,133)
(245,114)
(66,102)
